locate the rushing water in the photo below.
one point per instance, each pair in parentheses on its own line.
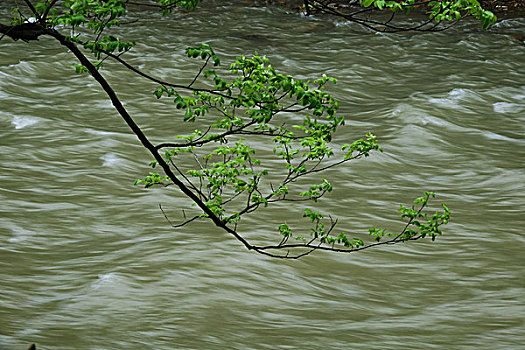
(87,260)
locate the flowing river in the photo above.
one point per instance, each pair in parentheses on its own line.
(88,261)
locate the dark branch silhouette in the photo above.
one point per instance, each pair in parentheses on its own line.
(248,106)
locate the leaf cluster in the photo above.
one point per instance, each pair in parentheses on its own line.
(224,176)
(253,99)
(441,14)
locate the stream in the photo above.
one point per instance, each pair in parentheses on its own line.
(88,261)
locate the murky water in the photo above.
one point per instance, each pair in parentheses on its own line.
(87,260)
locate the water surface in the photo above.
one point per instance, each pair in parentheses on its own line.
(87,260)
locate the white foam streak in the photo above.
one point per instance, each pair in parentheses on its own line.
(20,122)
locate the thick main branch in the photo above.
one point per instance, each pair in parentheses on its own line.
(140,135)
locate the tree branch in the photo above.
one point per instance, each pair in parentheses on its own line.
(161,82)
(140,135)
(32,8)
(48,8)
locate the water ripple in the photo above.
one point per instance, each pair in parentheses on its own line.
(88,261)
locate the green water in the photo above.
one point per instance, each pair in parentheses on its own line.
(87,260)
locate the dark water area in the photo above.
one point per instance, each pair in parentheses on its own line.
(87,260)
